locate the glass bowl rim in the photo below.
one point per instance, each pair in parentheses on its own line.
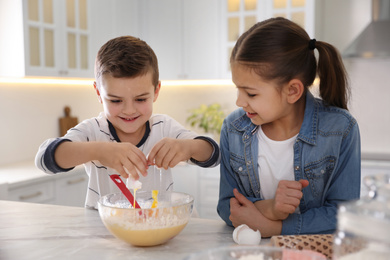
(189,202)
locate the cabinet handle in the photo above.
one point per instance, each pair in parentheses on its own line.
(71,182)
(30,196)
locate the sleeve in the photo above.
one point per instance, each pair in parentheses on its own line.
(226,182)
(176,130)
(344,186)
(44,159)
(215,157)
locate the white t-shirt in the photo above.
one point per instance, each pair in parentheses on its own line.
(275,163)
(98,129)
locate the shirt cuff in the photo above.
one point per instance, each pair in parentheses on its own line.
(49,159)
(214,158)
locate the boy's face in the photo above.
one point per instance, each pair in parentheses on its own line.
(128,104)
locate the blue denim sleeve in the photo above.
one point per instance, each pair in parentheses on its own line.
(343,186)
(228,180)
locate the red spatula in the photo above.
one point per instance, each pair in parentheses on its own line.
(122,186)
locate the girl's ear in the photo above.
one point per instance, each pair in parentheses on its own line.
(295,90)
(97,92)
(157,91)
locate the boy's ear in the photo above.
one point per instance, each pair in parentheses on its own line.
(295,90)
(97,92)
(157,91)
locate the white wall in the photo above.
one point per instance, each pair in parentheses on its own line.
(339,22)
(370,85)
(29,114)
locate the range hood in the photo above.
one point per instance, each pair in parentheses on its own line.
(374,41)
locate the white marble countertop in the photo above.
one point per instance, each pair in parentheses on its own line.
(41,231)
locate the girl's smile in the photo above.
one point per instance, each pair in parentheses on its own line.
(250,115)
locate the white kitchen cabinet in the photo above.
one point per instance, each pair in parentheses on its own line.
(185,179)
(193,39)
(184,36)
(239,15)
(110,19)
(370,168)
(3,191)
(37,192)
(71,190)
(68,189)
(209,191)
(202,184)
(45,38)
(161,27)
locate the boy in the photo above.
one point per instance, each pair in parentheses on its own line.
(116,142)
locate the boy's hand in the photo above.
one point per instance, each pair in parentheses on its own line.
(169,152)
(287,197)
(125,158)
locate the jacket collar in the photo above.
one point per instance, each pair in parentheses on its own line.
(308,131)
(244,124)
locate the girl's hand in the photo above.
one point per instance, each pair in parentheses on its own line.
(287,198)
(243,211)
(125,158)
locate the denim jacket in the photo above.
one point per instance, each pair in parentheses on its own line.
(326,153)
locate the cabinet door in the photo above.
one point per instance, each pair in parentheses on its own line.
(201,39)
(209,192)
(184,35)
(161,27)
(72,190)
(57,38)
(185,179)
(40,192)
(41,28)
(75,42)
(3,191)
(240,15)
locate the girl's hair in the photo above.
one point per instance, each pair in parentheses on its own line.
(279,49)
(126,56)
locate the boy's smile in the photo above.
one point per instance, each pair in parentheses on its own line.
(128,104)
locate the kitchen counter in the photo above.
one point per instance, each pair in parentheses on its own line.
(40,231)
(18,174)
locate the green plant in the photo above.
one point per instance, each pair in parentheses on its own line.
(209,118)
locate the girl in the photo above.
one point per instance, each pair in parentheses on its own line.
(288,158)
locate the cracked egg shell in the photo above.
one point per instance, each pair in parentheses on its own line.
(244,235)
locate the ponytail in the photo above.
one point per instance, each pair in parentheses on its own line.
(279,49)
(334,89)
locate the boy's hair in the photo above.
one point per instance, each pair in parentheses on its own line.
(279,49)
(126,57)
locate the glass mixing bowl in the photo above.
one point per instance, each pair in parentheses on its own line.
(255,253)
(146,226)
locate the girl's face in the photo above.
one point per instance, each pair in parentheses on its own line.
(128,104)
(263,101)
